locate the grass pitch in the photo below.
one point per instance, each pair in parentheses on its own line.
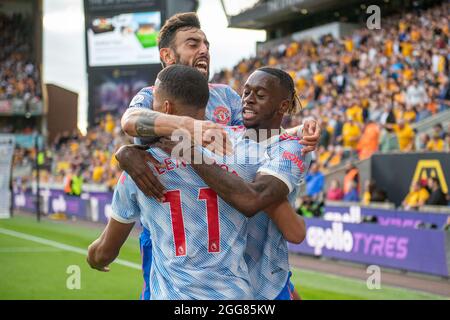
(36,260)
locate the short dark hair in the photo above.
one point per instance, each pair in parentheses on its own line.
(184,84)
(287,83)
(173,24)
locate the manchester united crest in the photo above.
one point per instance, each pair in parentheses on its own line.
(221,115)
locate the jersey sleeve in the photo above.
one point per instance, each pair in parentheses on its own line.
(125,208)
(235,104)
(284,161)
(143,99)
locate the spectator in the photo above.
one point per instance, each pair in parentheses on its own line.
(368,144)
(405,136)
(416,197)
(352,194)
(76,183)
(438,130)
(372,193)
(314,181)
(435,144)
(416,94)
(388,140)
(437,196)
(351,133)
(351,175)
(310,208)
(335,192)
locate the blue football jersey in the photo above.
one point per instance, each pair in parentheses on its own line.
(198,240)
(224,104)
(267,253)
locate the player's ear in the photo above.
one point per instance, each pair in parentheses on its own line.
(284,107)
(167,56)
(169,108)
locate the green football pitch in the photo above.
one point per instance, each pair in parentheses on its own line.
(37,262)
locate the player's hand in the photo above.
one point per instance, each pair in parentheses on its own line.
(97,267)
(135,160)
(91,257)
(209,135)
(310,136)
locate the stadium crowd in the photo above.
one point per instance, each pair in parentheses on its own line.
(85,158)
(19,77)
(368,89)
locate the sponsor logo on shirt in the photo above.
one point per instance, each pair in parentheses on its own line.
(293,158)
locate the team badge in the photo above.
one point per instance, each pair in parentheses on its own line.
(221,115)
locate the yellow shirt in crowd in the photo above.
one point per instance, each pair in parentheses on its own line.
(435,145)
(97,173)
(405,136)
(356,113)
(350,134)
(415,198)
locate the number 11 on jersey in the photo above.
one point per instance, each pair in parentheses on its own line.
(208,195)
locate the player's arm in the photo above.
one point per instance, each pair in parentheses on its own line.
(267,193)
(145,123)
(103,251)
(291,224)
(125,211)
(247,197)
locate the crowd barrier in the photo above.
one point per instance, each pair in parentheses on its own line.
(92,206)
(415,250)
(385,217)
(394,241)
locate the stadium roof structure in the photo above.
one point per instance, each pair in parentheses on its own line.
(267,13)
(281,18)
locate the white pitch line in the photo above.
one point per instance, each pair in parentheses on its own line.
(63,246)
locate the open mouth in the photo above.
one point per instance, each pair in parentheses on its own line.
(202,65)
(248,114)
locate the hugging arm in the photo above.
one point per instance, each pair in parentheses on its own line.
(247,197)
(266,193)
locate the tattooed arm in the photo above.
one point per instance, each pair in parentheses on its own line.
(140,122)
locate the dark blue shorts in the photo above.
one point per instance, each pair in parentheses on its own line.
(288,291)
(145,244)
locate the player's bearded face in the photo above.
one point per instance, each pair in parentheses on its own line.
(192,49)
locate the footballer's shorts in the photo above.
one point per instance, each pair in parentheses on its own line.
(145,244)
(288,291)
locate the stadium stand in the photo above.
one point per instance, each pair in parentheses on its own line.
(371,92)
(19,76)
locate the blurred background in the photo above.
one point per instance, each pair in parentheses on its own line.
(376,194)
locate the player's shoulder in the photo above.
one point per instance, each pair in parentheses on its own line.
(286,146)
(143,98)
(146,90)
(218,86)
(287,141)
(221,88)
